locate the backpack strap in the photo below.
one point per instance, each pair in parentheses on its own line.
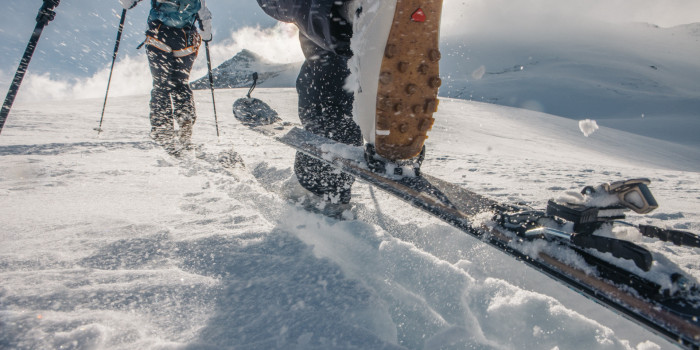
(156,3)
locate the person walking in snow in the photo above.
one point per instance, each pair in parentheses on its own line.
(394,83)
(325,108)
(172,42)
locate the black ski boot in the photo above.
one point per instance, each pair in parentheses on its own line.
(402,167)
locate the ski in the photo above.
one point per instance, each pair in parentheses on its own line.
(673,312)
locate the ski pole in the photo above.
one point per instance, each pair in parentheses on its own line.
(211,86)
(46,14)
(114,58)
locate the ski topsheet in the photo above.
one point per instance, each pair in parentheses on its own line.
(672,312)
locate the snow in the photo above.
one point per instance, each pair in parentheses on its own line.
(636,77)
(588,127)
(109,243)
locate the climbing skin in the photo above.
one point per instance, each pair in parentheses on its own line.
(409,80)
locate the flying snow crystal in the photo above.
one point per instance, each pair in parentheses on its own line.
(479,73)
(588,127)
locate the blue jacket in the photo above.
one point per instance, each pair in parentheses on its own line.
(318,20)
(177,13)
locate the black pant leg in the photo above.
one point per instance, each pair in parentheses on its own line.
(325,108)
(183,99)
(160,63)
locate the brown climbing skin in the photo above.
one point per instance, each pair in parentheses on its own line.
(409,79)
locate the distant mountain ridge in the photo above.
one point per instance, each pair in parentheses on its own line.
(237,73)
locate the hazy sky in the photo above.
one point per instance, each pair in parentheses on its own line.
(83,34)
(664,13)
(76,48)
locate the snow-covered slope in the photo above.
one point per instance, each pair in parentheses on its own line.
(634,77)
(109,243)
(237,72)
(647,86)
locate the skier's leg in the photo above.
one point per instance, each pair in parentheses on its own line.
(325,108)
(161,115)
(183,99)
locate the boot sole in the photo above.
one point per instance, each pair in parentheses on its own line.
(409,79)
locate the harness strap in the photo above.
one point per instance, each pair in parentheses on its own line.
(186,51)
(164,47)
(151,41)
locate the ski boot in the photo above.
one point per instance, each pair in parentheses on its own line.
(165,137)
(185,133)
(395,72)
(325,205)
(401,167)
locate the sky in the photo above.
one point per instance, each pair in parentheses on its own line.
(507,14)
(74,55)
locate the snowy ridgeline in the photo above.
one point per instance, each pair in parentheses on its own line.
(109,243)
(237,72)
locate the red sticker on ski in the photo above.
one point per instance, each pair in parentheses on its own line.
(419,16)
